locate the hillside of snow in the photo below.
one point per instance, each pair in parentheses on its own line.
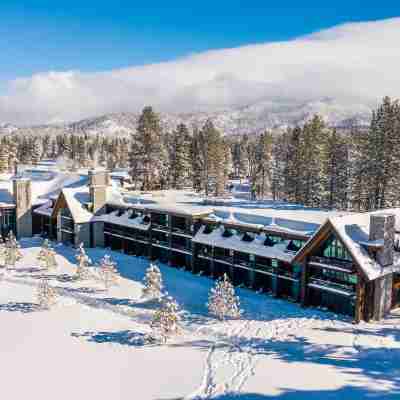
(253,118)
(90,344)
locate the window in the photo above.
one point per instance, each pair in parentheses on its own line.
(335,249)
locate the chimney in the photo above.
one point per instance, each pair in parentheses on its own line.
(98,182)
(382,227)
(23,201)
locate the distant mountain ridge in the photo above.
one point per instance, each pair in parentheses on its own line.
(253,118)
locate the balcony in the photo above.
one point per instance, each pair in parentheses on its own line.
(287,274)
(265,269)
(331,263)
(338,288)
(181,247)
(159,227)
(226,259)
(180,231)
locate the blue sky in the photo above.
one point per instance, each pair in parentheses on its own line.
(95,35)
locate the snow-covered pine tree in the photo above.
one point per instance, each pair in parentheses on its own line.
(47,256)
(382,156)
(165,323)
(83,269)
(148,154)
(12,155)
(293,164)
(12,252)
(210,155)
(35,150)
(108,272)
(46,295)
(312,162)
(222,300)
(335,171)
(3,156)
(82,153)
(179,156)
(152,283)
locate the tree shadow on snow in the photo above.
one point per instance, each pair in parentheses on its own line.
(125,338)
(20,307)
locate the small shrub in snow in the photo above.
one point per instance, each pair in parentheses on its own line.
(47,256)
(108,272)
(152,283)
(46,295)
(166,319)
(83,270)
(12,252)
(222,300)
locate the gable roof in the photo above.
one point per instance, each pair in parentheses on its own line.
(353,232)
(75,199)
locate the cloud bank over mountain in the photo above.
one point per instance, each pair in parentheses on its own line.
(355,64)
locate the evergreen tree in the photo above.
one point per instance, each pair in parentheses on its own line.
(148,158)
(12,155)
(3,156)
(152,283)
(12,252)
(108,272)
(35,151)
(335,171)
(211,155)
(47,256)
(180,162)
(312,162)
(222,300)
(84,262)
(166,319)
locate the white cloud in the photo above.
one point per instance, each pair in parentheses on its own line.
(352,63)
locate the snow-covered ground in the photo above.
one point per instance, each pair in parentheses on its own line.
(90,345)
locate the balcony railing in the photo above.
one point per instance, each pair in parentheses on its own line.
(243,262)
(160,242)
(326,262)
(287,273)
(181,231)
(224,258)
(180,246)
(333,286)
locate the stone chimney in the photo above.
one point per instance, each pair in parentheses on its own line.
(382,227)
(98,182)
(23,201)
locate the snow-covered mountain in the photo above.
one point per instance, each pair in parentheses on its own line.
(252,118)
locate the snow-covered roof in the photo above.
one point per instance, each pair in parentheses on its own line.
(353,231)
(256,247)
(45,209)
(123,220)
(76,199)
(182,209)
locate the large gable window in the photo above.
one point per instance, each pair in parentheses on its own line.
(334,249)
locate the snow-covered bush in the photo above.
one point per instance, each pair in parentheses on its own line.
(222,300)
(83,269)
(166,319)
(108,272)
(152,283)
(46,295)
(12,252)
(47,256)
